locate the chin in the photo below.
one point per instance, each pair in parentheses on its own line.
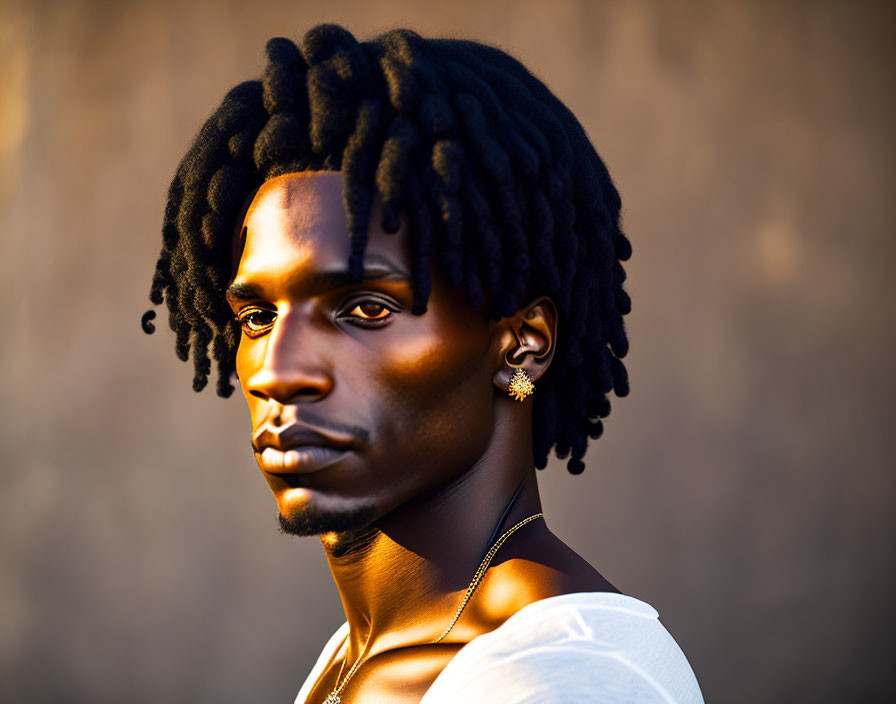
(318,523)
(311,519)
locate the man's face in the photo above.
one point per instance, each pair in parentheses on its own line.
(357,405)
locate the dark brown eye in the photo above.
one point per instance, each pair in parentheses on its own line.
(371,309)
(255,321)
(369,312)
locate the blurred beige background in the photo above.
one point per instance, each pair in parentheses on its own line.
(745,488)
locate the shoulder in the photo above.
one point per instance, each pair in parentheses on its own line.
(594,647)
(326,655)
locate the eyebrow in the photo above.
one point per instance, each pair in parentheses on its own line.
(376,268)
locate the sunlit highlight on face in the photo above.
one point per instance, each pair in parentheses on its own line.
(408,399)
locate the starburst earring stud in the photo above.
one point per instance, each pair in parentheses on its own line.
(520,385)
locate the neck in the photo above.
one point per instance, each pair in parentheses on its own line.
(402,579)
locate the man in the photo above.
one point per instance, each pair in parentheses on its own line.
(409,254)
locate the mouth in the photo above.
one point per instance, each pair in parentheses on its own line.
(298,448)
(301,459)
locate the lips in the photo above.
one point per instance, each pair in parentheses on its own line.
(300,460)
(299,449)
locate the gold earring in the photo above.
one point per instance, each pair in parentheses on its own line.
(520,385)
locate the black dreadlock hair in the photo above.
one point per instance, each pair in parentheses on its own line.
(499,181)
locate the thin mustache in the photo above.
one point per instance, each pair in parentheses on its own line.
(283,437)
(333,426)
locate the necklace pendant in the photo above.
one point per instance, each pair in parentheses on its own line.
(333,699)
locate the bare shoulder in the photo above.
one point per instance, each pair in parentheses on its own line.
(538,568)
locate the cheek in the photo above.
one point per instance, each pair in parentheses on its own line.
(248,357)
(436,400)
(430,362)
(242,364)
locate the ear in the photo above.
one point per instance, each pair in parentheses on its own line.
(528,341)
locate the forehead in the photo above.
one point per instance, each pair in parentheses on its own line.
(298,221)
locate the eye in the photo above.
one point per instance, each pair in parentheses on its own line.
(369,312)
(255,321)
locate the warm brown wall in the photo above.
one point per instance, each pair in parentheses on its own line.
(746,488)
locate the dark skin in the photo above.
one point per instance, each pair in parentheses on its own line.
(424,448)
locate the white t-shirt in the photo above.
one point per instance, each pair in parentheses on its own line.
(582,648)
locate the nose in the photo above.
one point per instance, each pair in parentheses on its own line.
(291,372)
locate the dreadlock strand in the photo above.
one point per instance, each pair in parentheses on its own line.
(488,239)
(202,365)
(283,76)
(397,152)
(359,165)
(447,161)
(420,246)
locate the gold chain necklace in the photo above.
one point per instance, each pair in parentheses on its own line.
(334,697)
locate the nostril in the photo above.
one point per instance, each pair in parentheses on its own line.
(291,395)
